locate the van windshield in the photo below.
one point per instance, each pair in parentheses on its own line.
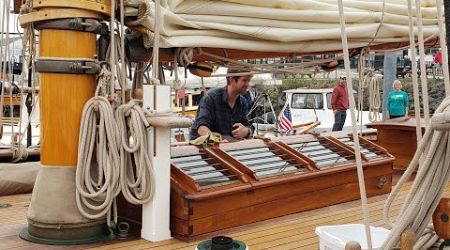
(307,101)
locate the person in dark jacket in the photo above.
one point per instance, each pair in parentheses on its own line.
(339,103)
(224,110)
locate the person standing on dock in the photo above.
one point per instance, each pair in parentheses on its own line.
(397,101)
(339,103)
(224,110)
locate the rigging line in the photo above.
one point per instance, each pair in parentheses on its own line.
(359,167)
(112,59)
(423,69)
(157,29)
(122,53)
(412,42)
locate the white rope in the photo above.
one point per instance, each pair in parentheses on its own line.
(157,28)
(95,194)
(430,181)
(412,42)
(371,81)
(359,167)
(184,56)
(103,81)
(123,75)
(132,125)
(20,152)
(4,57)
(423,69)
(112,44)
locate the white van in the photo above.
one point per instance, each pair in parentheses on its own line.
(307,103)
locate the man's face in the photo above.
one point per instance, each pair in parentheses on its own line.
(343,80)
(241,84)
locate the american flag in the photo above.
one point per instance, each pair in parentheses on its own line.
(285,118)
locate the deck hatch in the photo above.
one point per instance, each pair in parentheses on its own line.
(323,153)
(264,161)
(369,151)
(204,170)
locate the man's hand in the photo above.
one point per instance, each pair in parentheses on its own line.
(240,131)
(334,111)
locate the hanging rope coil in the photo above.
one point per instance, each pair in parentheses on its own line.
(371,81)
(137,187)
(95,194)
(184,56)
(433,154)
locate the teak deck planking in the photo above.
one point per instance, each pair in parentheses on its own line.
(294,231)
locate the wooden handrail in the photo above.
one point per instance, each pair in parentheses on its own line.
(183,178)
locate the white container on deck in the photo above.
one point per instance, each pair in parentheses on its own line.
(335,237)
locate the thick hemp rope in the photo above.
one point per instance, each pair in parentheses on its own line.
(429,184)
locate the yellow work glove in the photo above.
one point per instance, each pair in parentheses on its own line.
(209,138)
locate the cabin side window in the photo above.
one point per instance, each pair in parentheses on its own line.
(307,101)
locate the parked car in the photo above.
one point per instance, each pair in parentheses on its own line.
(315,104)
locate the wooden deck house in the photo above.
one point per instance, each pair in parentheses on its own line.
(233,184)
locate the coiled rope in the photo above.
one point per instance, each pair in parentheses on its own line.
(98,130)
(429,184)
(371,81)
(137,188)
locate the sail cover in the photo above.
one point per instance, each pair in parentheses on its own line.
(278,25)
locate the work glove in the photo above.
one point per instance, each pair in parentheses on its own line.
(211,137)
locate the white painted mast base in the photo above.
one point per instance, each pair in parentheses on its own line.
(156,213)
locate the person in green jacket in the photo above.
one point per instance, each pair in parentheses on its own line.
(397,101)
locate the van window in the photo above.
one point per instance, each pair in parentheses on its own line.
(329,100)
(307,101)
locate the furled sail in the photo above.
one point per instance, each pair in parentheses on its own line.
(279,25)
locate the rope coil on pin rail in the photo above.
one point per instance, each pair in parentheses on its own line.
(433,155)
(98,130)
(133,128)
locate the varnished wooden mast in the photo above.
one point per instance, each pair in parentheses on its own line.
(63,96)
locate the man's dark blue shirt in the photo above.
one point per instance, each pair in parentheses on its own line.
(215,113)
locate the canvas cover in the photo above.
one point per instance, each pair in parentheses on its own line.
(17,178)
(280,25)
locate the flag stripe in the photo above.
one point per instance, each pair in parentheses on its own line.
(285,118)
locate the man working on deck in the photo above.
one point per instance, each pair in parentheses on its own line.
(223,110)
(339,103)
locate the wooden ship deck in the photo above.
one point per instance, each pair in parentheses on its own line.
(295,231)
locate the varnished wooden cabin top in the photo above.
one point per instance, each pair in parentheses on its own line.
(294,231)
